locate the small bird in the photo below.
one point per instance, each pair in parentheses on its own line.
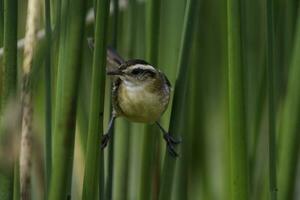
(140,93)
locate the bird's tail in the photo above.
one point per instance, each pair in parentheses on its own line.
(114,60)
(114,57)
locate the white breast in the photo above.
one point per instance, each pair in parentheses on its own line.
(140,105)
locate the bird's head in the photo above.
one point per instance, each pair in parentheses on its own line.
(135,73)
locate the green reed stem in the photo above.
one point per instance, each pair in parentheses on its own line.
(152,36)
(9,78)
(289,144)
(1,28)
(94,155)
(237,125)
(178,107)
(9,85)
(271,100)
(66,97)
(109,185)
(48,113)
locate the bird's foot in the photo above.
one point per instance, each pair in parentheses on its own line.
(171,142)
(105,140)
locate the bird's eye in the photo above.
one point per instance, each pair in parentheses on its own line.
(136,71)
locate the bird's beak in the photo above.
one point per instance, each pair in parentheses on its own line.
(114,72)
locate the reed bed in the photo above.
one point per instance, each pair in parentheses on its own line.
(234,70)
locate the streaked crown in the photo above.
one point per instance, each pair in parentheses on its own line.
(135,71)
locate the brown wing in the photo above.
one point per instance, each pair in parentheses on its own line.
(114,95)
(167,80)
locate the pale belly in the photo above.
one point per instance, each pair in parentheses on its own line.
(142,106)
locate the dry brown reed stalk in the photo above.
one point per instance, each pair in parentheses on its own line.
(26,96)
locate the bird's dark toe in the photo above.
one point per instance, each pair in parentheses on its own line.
(104,141)
(170,139)
(171,150)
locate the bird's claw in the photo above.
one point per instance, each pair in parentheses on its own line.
(172,151)
(104,141)
(171,141)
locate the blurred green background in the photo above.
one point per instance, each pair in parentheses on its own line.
(237,69)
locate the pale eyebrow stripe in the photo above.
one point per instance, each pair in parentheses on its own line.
(147,67)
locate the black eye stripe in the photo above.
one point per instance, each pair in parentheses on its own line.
(137,71)
(143,71)
(150,72)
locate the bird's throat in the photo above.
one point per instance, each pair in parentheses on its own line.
(141,103)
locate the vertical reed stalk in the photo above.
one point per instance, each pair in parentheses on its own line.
(152,30)
(271,100)
(27,104)
(109,185)
(94,155)
(120,178)
(115,23)
(237,125)
(288,31)
(48,96)
(178,107)
(10,51)
(290,146)
(8,80)
(149,140)
(1,30)
(69,61)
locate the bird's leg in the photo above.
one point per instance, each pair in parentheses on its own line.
(170,140)
(107,136)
